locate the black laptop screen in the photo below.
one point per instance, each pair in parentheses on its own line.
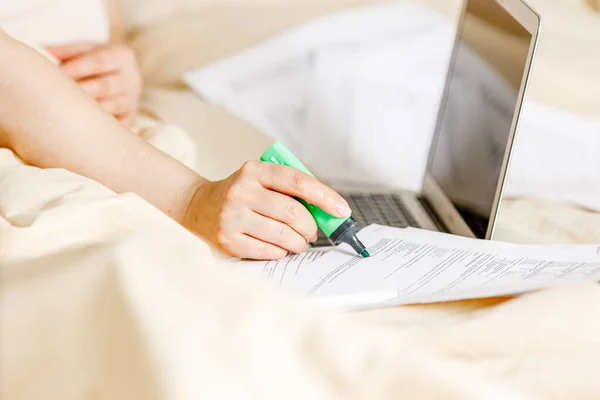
(477,115)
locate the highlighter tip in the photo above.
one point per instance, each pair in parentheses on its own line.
(365,254)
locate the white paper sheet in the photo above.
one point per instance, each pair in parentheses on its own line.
(281,272)
(372,111)
(417,266)
(557,157)
(286,86)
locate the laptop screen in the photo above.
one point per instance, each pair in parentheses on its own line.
(477,115)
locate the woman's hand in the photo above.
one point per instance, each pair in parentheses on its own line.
(108,73)
(251,214)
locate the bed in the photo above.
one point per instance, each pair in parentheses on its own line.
(105,297)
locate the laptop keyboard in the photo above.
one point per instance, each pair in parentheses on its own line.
(367,209)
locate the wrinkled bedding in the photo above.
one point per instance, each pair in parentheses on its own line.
(105,297)
(102,296)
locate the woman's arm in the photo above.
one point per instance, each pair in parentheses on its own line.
(108,72)
(49,122)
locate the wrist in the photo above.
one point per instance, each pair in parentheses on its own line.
(195,196)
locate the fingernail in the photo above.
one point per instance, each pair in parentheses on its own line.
(342,210)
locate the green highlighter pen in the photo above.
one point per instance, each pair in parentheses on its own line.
(338,230)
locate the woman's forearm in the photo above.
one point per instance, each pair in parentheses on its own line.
(50,122)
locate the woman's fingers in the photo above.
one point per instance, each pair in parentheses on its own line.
(103,86)
(66,52)
(99,61)
(245,216)
(274,232)
(118,105)
(255,249)
(284,209)
(298,184)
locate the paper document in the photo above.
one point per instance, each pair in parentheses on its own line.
(289,85)
(282,271)
(410,266)
(371,113)
(556,157)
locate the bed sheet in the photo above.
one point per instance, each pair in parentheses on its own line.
(104,297)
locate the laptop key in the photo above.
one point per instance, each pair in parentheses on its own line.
(404,210)
(378,208)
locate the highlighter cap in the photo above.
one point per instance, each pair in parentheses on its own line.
(279,154)
(346,233)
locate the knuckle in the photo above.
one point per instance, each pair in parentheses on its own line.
(326,197)
(249,168)
(265,251)
(225,215)
(232,193)
(299,181)
(290,240)
(293,213)
(104,87)
(86,67)
(101,61)
(282,235)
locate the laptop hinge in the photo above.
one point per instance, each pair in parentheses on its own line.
(429,209)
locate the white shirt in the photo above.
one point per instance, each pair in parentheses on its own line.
(52,22)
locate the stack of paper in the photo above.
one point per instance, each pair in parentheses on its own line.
(416,266)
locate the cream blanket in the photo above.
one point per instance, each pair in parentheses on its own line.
(102,296)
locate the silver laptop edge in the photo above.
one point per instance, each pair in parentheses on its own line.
(441,205)
(532,22)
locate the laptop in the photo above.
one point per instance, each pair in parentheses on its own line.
(476,127)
